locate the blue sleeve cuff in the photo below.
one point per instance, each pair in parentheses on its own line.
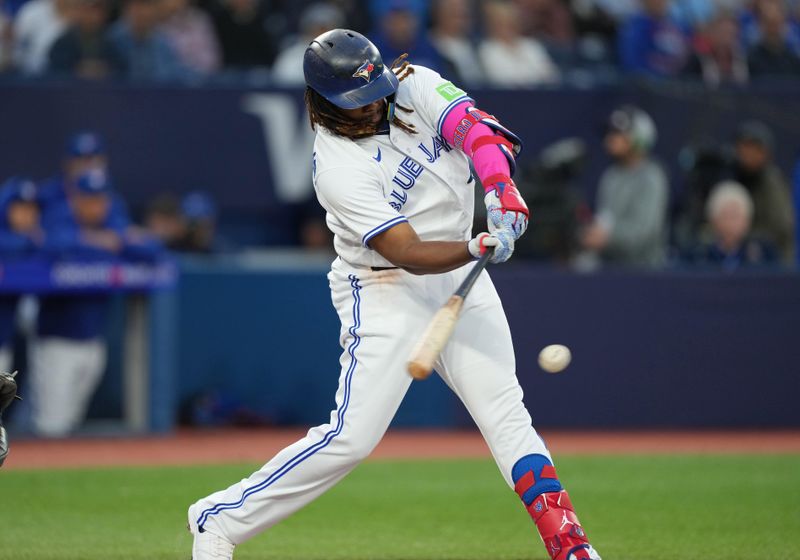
(381,228)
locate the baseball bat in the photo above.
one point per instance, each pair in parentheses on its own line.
(440,328)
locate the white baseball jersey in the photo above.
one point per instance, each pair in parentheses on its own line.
(372,184)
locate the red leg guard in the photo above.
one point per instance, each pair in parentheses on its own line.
(559,526)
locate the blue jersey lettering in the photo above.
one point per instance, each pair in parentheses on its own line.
(406,177)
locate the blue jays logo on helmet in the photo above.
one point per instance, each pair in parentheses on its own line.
(364,71)
(335,63)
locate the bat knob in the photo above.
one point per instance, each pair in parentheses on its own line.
(418,371)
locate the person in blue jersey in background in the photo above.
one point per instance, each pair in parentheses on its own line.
(401,29)
(200,216)
(68,357)
(21,236)
(651,43)
(85,151)
(21,233)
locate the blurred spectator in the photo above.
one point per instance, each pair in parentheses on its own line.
(400,31)
(89,221)
(200,216)
(315,20)
(20,235)
(797,210)
(452,23)
(85,50)
(693,14)
(6,40)
(719,57)
(68,356)
(12,7)
(773,55)
(547,20)
(705,163)
(550,184)
(773,218)
(164,220)
(596,28)
(245,34)
(85,151)
(36,27)
(379,8)
(630,223)
(188,225)
(620,10)
(730,215)
(147,52)
(733,5)
(509,59)
(192,36)
(651,42)
(749,163)
(751,15)
(356,14)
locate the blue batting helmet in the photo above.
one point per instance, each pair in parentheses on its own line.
(85,143)
(345,68)
(18,189)
(198,205)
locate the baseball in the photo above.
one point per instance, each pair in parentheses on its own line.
(554,358)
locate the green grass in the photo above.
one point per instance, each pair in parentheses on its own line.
(633,508)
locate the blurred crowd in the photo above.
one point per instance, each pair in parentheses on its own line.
(493,43)
(76,215)
(732,209)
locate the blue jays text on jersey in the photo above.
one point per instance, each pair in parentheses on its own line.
(409,171)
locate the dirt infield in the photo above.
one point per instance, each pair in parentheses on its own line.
(188,447)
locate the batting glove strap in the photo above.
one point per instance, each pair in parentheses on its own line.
(505,208)
(502,243)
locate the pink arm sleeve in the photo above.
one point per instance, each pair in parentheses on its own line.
(486,162)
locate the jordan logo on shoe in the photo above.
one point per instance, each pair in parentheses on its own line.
(564,521)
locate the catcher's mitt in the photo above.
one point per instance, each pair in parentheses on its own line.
(8,391)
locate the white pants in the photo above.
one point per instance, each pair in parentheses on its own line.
(5,358)
(63,377)
(382,315)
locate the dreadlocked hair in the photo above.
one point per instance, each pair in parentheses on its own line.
(324,113)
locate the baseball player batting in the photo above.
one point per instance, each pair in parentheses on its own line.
(391,167)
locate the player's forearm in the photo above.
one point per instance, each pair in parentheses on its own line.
(402,247)
(431,257)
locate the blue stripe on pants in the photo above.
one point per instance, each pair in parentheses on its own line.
(308,452)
